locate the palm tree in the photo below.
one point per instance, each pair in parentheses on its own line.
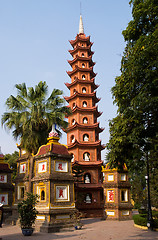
(31,115)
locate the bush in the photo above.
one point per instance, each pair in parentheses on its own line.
(155,214)
(155,223)
(142,211)
(139,220)
(27,211)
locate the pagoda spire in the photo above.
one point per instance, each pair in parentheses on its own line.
(81,28)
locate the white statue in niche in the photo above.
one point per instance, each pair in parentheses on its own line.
(85,120)
(87,179)
(86,156)
(73,158)
(73,106)
(84,104)
(85,138)
(73,139)
(73,122)
(83,90)
(88,199)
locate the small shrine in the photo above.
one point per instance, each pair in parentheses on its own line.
(53,182)
(51,178)
(117,194)
(6,186)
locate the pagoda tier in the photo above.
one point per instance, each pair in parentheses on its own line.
(96,144)
(77,81)
(78,58)
(85,126)
(80,69)
(88,49)
(83,95)
(80,38)
(91,109)
(83,130)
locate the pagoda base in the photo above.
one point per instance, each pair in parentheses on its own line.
(118,214)
(56,227)
(55,220)
(92,213)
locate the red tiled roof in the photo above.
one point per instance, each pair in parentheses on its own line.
(5,167)
(53,148)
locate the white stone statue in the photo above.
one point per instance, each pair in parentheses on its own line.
(86,156)
(73,122)
(87,179)
(88,199)
(73,139)
(84,104)
(86,138)
(85,121)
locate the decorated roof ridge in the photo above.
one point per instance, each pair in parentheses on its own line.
(93,95)
(107,168)
(94,125)
(84,144)
(54,132)
(52,147)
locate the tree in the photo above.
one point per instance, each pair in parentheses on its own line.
(27,210)
(11,159)
(134,132)
(31,114)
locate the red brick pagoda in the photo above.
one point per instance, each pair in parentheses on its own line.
(83,131)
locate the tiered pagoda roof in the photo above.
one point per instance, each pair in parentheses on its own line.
(85,126)
(84,95)
(78,58)
(87,144)
(91,81)
(79,69)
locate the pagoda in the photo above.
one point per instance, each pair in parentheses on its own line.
(83,130)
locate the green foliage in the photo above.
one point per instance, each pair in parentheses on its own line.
(27,211)
(139,191)
(141,219)
(11,159)
(155,214)
(134,131)
(31,114)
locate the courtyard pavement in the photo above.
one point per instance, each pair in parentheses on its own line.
(93,229)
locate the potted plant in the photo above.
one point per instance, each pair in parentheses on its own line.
(77,220)
(28,213)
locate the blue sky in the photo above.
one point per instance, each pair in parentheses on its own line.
(34,47)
